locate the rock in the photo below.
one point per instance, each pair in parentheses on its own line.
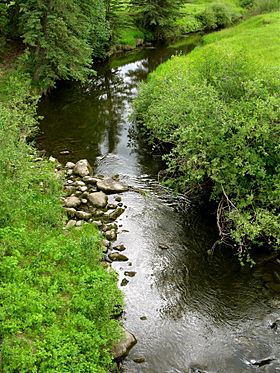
(130,273)
(111,235)
(52,159)
(118,198)
(106,243)
(98,199)
(98,223)
(72,202)
(83,215)
(83,188)
(120,204)
(79,223)
(69,181)
(117,257)
(119,247)
(110,185)
(124,282)
(70,224)
(112,206)
(121,349)
(80,183)
(139,360)
(139,42)
(90,180)
(260,363)
(143,318)
(69,172)
(69,165)
(64,152)
(116,213)
(163,246)
(84,201)
(70,211)
(82,168)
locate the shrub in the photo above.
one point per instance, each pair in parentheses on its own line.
(218,109)
(218,15)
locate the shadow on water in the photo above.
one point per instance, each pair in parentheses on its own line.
(190,312)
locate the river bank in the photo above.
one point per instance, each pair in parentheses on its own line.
(54,312)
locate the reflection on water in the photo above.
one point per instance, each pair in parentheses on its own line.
(190,312)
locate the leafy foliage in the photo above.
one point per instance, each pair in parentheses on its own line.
(61,37)
(218,109)
(156,16)
(58,304)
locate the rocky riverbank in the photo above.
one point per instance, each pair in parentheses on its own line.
(96,199)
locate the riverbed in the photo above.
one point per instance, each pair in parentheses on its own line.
(189,311)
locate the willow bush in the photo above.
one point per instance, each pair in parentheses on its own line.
(218,111)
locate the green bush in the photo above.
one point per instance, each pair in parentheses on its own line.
(218,111)
(58,304)
(218,15)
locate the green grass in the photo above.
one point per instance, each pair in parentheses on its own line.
(58,304)
(259,35)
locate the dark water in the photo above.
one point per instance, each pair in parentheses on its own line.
(201,313)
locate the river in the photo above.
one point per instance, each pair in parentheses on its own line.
(190,312)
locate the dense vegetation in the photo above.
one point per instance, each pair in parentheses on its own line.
(58,304)
(60,39)
(216,114)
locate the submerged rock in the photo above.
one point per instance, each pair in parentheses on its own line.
(72,202)
(98,199)
(139,360)
(119,247)
(116,213)
(130,273)
(82,168)
(117,257)
(124,282)
(121,349)
(110,185)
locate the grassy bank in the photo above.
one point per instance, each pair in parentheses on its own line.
(57,302)
(217,109)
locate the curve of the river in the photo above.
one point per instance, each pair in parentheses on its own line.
(190,312)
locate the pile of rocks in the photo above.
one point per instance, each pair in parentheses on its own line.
(87,201)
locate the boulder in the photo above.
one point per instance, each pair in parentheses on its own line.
(121,349)
(70,224)
(98,199)
(90,180)
(117,257)
(70,212)
(109,185)
(82,215)
(130,273)
(116,213)
(72,202)
(70,165)
(82,168)
(124,282)
(119,247)
(111,235)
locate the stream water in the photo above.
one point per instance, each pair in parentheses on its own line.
(189,311)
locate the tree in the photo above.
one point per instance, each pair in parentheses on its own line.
(61,37)
(156,16)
